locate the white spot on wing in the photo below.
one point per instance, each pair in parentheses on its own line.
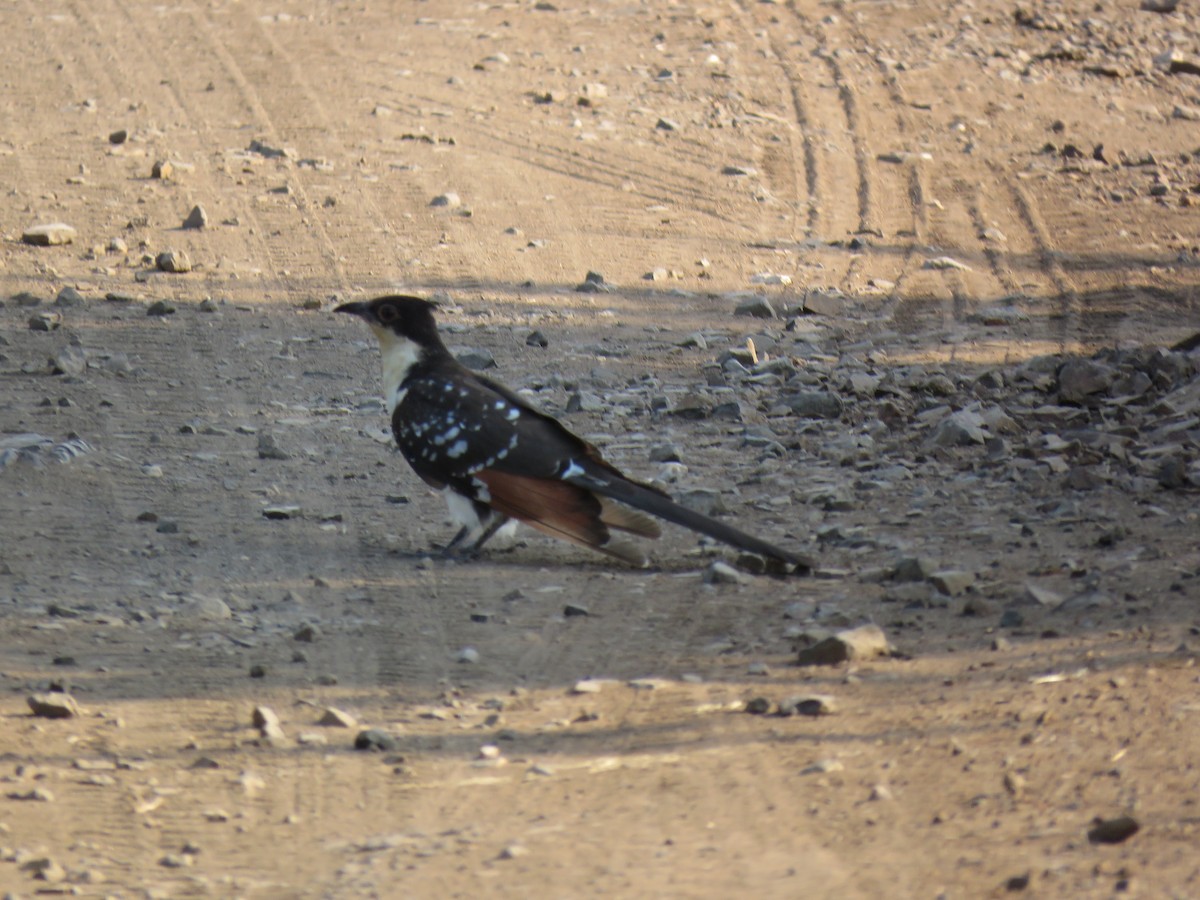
(573,470)
(457,449)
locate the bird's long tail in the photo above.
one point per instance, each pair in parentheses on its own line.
(647,499)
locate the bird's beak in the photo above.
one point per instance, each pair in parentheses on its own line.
(355,309)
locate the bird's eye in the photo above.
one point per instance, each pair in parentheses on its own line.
(387,313)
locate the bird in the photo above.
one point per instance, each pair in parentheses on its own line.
(496,458)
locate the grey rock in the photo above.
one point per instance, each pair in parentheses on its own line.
(333,717)
(196,219)
(53,705)
(68,297)
(268,448)
(70,360)
(703,500)
(174,261)
(1036,595)
(593,283)
(1079,379)
(267,722)
(161,308)
(450,200)
(536,339)
(118,137)
(814,404)
(307,633)
(809,705)
(51,235)
(913,568)
(855,644)
(959,429)
(952,582)
(723,573)
(584,401)
(374,739)
(474,358)
(1113,831)
(45,321)
(756,307)
(467,655)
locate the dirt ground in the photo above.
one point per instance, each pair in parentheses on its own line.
(241,533)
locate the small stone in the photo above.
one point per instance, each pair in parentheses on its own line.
(881,792)
(809,705)
(824,767)
(162,169)
(587,686)
(161,308)
(592,94)
(374,739)
(71,360)
(467,655)
(1036,595)
(814,404)
(333,717)
(758,706)
(52,235)
(118,137)
(258,671)
(450,200)
(593,283)
(573,610)
(268,447)
(756,307)
(1016,883)
(723,573)
(307,633)
(475,358)
(913,568)
(856,644)
(196,219)
(1113,831)
(1011,618)
(267,722)
(45,869)
(952,582)
(1014,783)
(536,339)
(174,261)
(738,170)
(45,321)
(513,851)
(68,297)
(944,263)
(36,795)
(666,125)
(1079,379)
(53,705)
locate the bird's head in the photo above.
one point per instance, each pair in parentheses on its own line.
(398,317)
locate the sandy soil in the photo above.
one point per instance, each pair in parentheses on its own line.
(926,160)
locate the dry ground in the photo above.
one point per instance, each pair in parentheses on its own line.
(872,138)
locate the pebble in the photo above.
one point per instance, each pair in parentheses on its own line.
(467,655)
(118,137)
(824,767)
(856,644)
(944,263)
(161,308)
(755,307)
(573,610)
(332,717)
(268,447)
(814,404)
(306,633)
(45,869)
(162,169)
(536,339)
(952,582)
(45,321)
(196,219)
(173,261)
(450,200)
(722,573)
(588,686)
(374,739)
(593,283)
(267,722)
(1113,831)
(53,705)
(809,705)
(68,298)
(51,235)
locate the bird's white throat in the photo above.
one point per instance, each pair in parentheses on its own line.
(399,355)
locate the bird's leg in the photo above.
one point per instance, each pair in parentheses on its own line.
(451,548)
(498,522)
